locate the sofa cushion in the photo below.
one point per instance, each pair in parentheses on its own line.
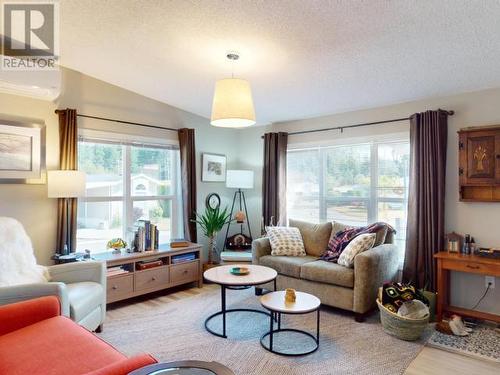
(327,272)
(286,265)
(286,241)
(54,346)
(315,236)
(83,298)
(359,244)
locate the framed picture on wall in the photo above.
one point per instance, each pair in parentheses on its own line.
(22,152)
(213,168)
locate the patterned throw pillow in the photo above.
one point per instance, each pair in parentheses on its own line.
(359,244)
(286,241)
(339,241)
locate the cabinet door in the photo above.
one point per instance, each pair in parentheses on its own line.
(481,157)
(497,157)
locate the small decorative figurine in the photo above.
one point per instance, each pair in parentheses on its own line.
(116,244)
(290,296)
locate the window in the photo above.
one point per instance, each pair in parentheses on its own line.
(355,184)
(126,182)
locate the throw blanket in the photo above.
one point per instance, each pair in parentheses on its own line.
(393,295)
(341,239)
(17,262)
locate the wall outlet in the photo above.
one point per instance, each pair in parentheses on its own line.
(488,280)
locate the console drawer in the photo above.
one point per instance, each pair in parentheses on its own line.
(152,278)
(119,287)
(184,272)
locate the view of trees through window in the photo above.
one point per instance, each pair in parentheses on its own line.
(353,184)
(125,183)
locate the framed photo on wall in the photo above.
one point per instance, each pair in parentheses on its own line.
(213,168)
(22,152)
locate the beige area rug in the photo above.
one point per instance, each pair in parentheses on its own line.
(171,327)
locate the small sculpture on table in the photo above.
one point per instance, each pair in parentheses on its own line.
(290,296)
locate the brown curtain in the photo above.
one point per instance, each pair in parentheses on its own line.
(68,160)
(188,181)
(425,227)
(274,179)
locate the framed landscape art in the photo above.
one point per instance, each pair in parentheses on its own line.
(22,151)
(213,168)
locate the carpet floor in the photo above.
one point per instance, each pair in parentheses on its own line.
(171,328)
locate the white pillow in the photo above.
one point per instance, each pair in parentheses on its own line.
(286,241)
(357,245)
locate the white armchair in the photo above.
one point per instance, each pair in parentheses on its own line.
(80,287)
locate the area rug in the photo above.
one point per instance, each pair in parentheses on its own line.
(175,331)
(482,343)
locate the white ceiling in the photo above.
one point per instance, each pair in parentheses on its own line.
(304,58)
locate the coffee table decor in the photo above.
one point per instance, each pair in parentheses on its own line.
(240,271)
(223,276)
(277,303)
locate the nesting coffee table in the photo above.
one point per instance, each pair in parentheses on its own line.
(275,303)
(222,276)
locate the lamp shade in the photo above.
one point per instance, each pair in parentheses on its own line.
(233,104)
(239,179)
(65,184)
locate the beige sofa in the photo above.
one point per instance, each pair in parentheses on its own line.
(353,289)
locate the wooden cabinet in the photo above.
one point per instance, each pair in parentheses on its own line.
(134,281)
(479,164)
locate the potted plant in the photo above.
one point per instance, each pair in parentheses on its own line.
(211,222)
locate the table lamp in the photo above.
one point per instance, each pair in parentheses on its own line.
(66,184)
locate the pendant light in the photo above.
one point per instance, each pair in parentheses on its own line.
(233,104)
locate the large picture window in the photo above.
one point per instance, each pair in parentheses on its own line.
(354,184)
(127,182)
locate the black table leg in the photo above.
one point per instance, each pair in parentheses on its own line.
(223,302)
(271,329)
(317,328)
(279,320)
(275,288)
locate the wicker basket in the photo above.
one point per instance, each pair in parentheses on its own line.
(401,327)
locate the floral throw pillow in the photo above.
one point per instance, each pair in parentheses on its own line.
(359,244)
(286,241)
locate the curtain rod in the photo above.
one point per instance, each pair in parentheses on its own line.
(341,128)
(124,122)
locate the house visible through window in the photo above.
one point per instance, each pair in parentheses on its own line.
(126,182)
(354,184)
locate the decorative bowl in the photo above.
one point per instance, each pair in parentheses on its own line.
(239,271)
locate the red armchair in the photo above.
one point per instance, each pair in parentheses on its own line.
(36,339)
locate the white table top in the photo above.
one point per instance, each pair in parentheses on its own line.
(304,302)
(258,275)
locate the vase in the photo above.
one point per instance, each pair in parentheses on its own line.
(212,249)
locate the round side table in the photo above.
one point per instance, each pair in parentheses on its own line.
(184,368)
(221,275)
(275,302)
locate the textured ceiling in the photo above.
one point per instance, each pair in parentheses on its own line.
(303,58)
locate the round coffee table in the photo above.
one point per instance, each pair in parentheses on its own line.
(221,275)
(184,368)
(304,303)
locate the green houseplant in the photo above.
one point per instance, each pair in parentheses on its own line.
(211,222)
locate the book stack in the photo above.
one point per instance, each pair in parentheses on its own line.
(114,271)
(182,258)
(178,242)
(146,236)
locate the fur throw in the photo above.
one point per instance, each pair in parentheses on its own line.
(17,261)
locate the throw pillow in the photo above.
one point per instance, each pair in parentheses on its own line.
(339,241)
(359,244)
(286,241)
(315,236)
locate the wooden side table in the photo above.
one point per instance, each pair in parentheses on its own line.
(447,262)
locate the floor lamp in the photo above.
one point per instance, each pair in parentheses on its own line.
(239,179)
(66,184)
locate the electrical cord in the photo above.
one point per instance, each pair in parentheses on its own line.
(482,297)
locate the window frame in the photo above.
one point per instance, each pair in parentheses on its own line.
(373,199)
(127,198)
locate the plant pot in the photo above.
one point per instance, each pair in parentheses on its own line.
(213,255)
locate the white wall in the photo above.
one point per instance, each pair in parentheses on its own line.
(479,219)
(29,203)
